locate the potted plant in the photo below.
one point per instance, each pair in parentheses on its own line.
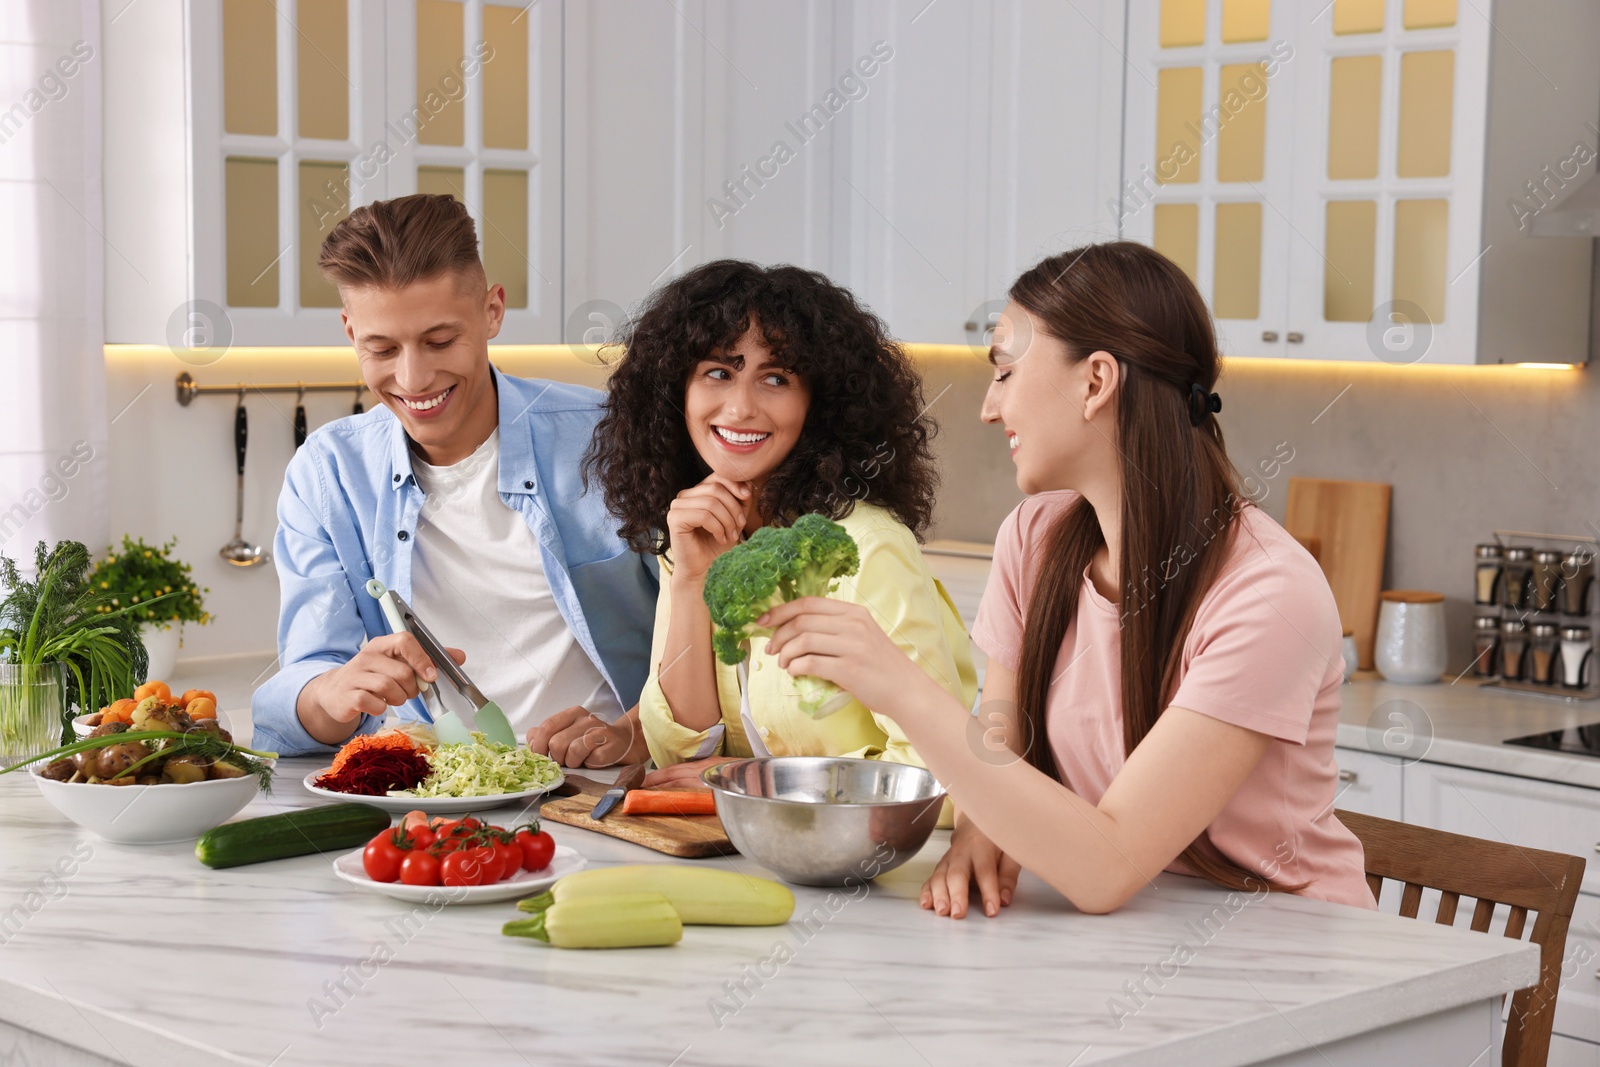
(158,590)
(61,645)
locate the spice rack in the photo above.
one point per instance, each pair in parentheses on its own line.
(1542,592)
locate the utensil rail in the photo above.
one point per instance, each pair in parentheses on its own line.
(188,388)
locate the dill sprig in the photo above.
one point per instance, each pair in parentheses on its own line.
(197,742)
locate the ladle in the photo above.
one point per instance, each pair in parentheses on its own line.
(240,552)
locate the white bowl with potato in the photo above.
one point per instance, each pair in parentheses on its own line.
(138,787)
(149,814)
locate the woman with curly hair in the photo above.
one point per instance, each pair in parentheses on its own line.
(750,396)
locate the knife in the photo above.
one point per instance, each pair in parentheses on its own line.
(628,779)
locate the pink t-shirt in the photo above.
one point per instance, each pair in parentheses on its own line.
(1263,653)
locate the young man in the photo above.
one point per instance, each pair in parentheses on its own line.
(463,493)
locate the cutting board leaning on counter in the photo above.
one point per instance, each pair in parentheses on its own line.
(564,536)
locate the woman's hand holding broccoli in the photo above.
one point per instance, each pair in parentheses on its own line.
(842,645)
(705,521)
(799,563)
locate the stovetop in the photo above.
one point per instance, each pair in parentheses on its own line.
(1574,740)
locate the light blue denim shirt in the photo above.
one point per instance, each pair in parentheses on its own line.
(349,510)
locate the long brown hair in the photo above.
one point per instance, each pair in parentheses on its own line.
(1179,491)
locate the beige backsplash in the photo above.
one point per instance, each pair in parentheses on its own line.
(1466,449)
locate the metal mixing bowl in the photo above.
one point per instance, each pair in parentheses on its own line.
(825,820)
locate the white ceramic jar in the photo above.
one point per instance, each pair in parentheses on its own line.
(161,644)
(1352,655)
(1410,647)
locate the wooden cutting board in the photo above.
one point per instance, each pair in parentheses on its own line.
(1350,524)
(685,836)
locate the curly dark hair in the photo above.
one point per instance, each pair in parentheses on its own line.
(866,434)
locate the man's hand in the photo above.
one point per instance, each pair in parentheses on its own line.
(576,738)
(382,675)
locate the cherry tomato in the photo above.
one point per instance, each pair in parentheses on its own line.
(538,849)
(449,826)
(420,868)
(422,837)
(453,870)
(382,858)
(510,857)
(482,865)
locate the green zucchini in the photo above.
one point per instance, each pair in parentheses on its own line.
(326,828)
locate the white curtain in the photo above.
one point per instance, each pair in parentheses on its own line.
(53,422)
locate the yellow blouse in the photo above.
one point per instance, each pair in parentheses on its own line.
(894,583)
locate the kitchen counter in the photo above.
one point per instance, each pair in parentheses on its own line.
(141,955)
(1465,724)
(232,678)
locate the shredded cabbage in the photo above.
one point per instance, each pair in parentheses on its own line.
(421,734)
(483,769)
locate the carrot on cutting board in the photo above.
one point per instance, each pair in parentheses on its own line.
(669,802)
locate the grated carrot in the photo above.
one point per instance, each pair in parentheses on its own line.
(383,740)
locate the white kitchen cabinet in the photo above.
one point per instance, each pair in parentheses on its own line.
(1569,1052)
(1209,155)
(699,131)
(921,154)
(993,142)
(1502,807)
(1370,784)
(1578,1006)
(1537,814)
(247,128)
(1342,181)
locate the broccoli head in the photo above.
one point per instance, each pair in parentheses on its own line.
(775,565)
(825,551)
(743,584)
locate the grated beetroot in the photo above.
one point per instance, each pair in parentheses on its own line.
(372,772)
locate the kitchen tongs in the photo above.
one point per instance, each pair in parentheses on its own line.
(450,727)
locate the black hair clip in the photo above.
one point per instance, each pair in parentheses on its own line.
(1202,403)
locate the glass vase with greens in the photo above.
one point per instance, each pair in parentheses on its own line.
(58,626)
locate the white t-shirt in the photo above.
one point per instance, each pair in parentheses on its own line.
(476,580)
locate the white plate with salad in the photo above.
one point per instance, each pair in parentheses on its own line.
(434,805)
(404,768)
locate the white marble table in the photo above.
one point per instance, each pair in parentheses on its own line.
(141,955)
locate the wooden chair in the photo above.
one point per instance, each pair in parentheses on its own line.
(1524,879)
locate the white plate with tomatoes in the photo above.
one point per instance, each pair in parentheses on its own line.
(432,805)
(523,883)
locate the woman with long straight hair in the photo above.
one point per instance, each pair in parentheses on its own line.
(1164,659)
